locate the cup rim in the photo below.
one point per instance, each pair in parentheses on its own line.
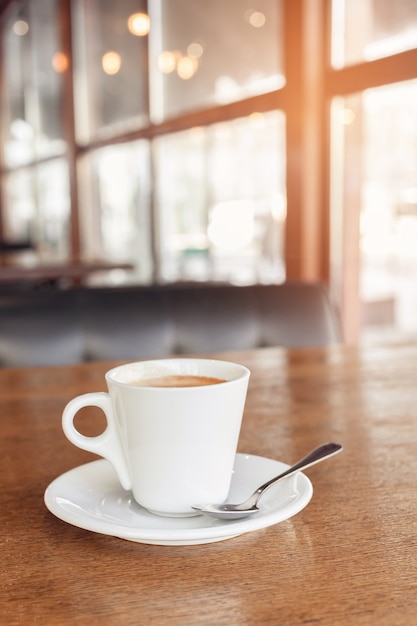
(242,373)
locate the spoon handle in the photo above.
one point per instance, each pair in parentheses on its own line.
(315,456)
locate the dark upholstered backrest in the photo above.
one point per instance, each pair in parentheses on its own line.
(59,327)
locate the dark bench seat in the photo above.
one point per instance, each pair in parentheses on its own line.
(71,326)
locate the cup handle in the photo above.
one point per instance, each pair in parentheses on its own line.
(107,444)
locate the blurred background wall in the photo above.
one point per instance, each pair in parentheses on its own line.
(231,140)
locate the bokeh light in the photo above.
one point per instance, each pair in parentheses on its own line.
(139,24)
(111,62)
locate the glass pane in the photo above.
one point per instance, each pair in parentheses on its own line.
(32,94)
(19,217)
(37,208)
(110,58)
(206,54)
(380,174)
(115,219)
(17,133)
(48,65)
(221,201)
(363,30)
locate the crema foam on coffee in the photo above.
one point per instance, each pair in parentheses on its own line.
(177,380)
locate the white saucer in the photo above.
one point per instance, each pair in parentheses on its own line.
(91,497)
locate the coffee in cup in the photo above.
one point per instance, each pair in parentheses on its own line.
(177,380)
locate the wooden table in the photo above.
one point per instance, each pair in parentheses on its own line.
(75,272)
(349,558)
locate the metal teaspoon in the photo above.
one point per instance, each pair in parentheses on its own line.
(228,511)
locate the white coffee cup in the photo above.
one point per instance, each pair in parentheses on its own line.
(172,446)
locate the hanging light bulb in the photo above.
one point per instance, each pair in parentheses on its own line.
(111,62)
(60,62)
(139,24)
(186,67)
(21,28)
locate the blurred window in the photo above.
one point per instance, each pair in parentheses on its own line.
(205,55)
(221,200)
(116,185)
(41,209)
(375,139)
(110,61)
(32,96)
(153,196)
(364,30)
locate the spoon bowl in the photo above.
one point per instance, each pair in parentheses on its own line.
(228,511)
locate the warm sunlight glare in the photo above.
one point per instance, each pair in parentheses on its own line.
(231,225)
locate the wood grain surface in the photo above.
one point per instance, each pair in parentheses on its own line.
(350,557)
